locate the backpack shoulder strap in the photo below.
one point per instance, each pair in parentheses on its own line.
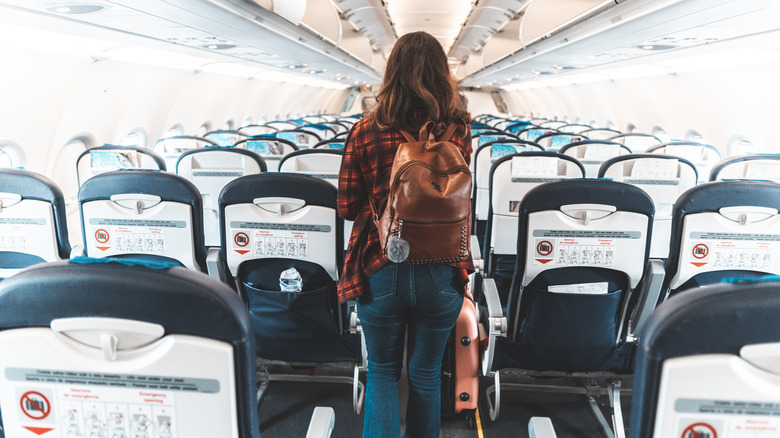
(408,136)
(448,133)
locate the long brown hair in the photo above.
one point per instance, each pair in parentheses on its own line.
(418,87)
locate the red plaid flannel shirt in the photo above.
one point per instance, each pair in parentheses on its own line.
(365,171)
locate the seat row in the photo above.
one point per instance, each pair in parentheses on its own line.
(581,284)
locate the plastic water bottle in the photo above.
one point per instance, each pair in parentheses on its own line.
(290,281)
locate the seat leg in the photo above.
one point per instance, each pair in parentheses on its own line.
(617,409)
(494,388)
(262,386)
(594,406)
(358,391)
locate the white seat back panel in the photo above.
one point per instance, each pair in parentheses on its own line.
(717,395)
(164,230)
(177,387)
(27,227)
(556,240)
(305,234)
(712,242)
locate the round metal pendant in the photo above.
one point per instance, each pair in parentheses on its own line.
(397,249)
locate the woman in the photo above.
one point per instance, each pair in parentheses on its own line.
(396,297)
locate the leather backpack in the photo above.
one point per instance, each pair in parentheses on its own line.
(427,217)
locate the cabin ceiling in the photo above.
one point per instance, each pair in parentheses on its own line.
(490,43)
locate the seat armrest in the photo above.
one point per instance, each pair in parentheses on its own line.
(649,293)
(212,263)
(493,322)
(541,427)
(322,422)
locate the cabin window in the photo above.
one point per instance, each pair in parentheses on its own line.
(661,134)
(11,155)
(248,121)
(229,125)
(739,145)
(630,128)
(174,131)
(204,128)
(611,125)
(593,124)
(64,175)
(694,135)
(136,137)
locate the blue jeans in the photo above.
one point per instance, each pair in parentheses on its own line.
(425,299)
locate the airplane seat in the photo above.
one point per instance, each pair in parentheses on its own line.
(582,250)
(554,141)
(600,133)
(109,157)
(225,137)
(707,364)
(332,143)
(664,178)
(480,138)
(703,156)
(637,142)
(209,169)
(33,225)
(106,347)
(255,130)
(721,230)
(302,138)
(319,163)
(510,178)
(753,167)
(593,153)
(143,214)
(272,222)
(517,126)
(171,147)
(270,148)
(481,160)
(533,132)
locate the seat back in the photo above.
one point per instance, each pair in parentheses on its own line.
(303,139)
(582,248)
(331,144)
(635,141)
(112,157)
(171,147)
(703,156)
(141,213)
(271,222)
(707,364)
(552,124)
(209,169)
(574,128)
(554,141)
(270,148)
(593,153)
(320,163)
(281,215)
(321,130)
(533,132)
(510,179)
(225,137)
(482,159)
(517,126)
(114,350)
(32,221)
(481,138)
(664,178)
(600,133)
(724,229)
(755,167)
